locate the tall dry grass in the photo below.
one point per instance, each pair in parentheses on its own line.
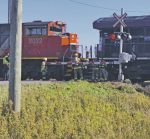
(77,110)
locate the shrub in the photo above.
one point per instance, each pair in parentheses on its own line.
(77,110)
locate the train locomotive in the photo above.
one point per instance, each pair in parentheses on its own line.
(139,46)
(40,40)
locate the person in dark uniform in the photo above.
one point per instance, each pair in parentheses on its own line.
(77,67)
(6,66)
(44,68)
(102,70)
(95,71)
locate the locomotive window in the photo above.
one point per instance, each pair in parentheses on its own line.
(36,31)
(33,31)
(44,31)
(56,29)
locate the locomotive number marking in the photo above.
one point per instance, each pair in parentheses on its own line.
(35,40)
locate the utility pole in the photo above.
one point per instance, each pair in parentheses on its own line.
(15,54)
(9,10)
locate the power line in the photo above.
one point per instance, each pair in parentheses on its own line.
(105,8)
(94,6)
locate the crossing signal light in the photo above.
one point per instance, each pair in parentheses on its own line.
(129,37)
(119,36)
(126,36)
(113,37)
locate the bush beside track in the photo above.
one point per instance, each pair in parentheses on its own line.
(77,110)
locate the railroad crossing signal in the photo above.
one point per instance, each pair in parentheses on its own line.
(120,20)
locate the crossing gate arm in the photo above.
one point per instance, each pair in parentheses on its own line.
(81,63)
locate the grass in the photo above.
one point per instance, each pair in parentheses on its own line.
(77,110)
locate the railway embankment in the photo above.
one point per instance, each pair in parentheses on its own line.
(77,110)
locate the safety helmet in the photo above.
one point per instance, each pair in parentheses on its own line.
(75,54)
(45,59)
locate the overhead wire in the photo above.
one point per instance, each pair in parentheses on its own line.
(95,6)
(101,7)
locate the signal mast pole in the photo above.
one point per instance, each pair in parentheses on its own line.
(120,75)
(15,54)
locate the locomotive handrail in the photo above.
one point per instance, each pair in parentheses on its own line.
(65,54)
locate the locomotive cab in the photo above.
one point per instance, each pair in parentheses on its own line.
(139,27)
(46,39)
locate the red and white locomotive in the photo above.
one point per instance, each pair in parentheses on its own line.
(40,40)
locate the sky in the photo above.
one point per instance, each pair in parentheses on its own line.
(77,14)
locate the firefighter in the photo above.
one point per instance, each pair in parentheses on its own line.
(103,72)
(95,72)
(6,66)
(44,68)
(77,67)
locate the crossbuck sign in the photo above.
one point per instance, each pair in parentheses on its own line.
(120,19)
